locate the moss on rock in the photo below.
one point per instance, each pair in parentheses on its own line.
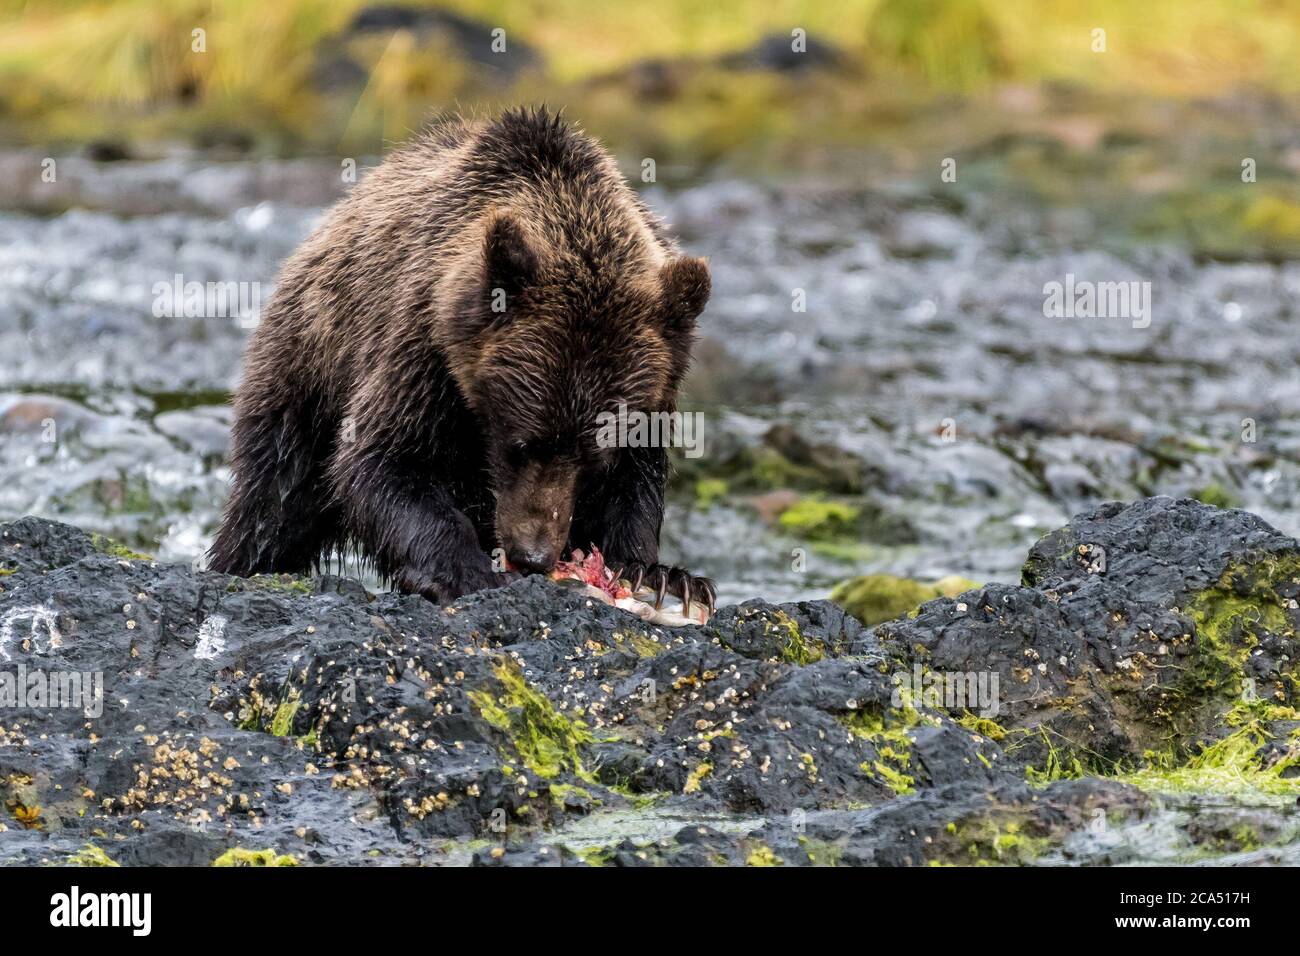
(547,741)
(874,598)
(239,856)
(106,545)
(819,519)
(91,855)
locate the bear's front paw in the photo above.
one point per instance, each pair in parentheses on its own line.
(665,580)
(444,587)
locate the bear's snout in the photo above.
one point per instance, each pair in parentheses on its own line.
(534,558)
(533,515)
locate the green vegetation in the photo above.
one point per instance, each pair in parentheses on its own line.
(1214,493)
(78,70)
(1056,765)
(1231,618)
(547,742)
(297,584)
(821,853)
(820,520)
(282,722)
(795,649)
(696,777)
(762,855)
(873,598)
(983,726)
(1233,766)
(708,491)
(106,545)
(238,856)
(642,644)
(887,731)
(987,841)
(91,855)
(561,792)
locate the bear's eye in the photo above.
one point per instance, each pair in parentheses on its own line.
(517,453)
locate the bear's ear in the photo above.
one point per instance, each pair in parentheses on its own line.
(686,286)
(486,285)
(509,262)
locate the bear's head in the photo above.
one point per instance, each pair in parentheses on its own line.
(545,342)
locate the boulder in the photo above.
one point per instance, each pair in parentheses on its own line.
(155,714)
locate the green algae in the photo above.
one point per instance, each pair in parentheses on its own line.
(762,855)
(984,726)
(1232,766)
(1231,618)
(999,837)
(696,777)
(561,792)
(106,545)
(282,722)
(1056,765)
(795,648)
(643,645)
(820,852)
(292,584)
(892,742)
(770,470)
(874,598)
(90,855)
(547,742)
(1007,844)
(901,783)
(596,855)
(239,856)
(1217,495)
(709,491)
(819,519)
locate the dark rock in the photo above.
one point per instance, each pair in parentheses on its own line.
(107,151)
(434,31)
(1139,627)
(532,725)
(776,52)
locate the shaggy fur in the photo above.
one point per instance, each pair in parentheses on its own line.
(426,382)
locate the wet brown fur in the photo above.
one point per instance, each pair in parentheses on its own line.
(387,406)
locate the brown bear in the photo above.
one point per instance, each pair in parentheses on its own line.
(427,382)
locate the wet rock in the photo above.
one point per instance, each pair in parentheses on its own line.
(783,458)
(252,713)
(1139,628)
(281,720)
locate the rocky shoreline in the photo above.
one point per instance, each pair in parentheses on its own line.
(1131,701)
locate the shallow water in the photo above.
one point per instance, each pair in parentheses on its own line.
(923,349)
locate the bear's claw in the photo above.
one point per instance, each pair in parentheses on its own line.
(663,579)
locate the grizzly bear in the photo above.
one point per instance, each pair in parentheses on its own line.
(426,383)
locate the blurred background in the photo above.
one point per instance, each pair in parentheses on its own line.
(884,188)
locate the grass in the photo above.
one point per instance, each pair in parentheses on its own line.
(78,69)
